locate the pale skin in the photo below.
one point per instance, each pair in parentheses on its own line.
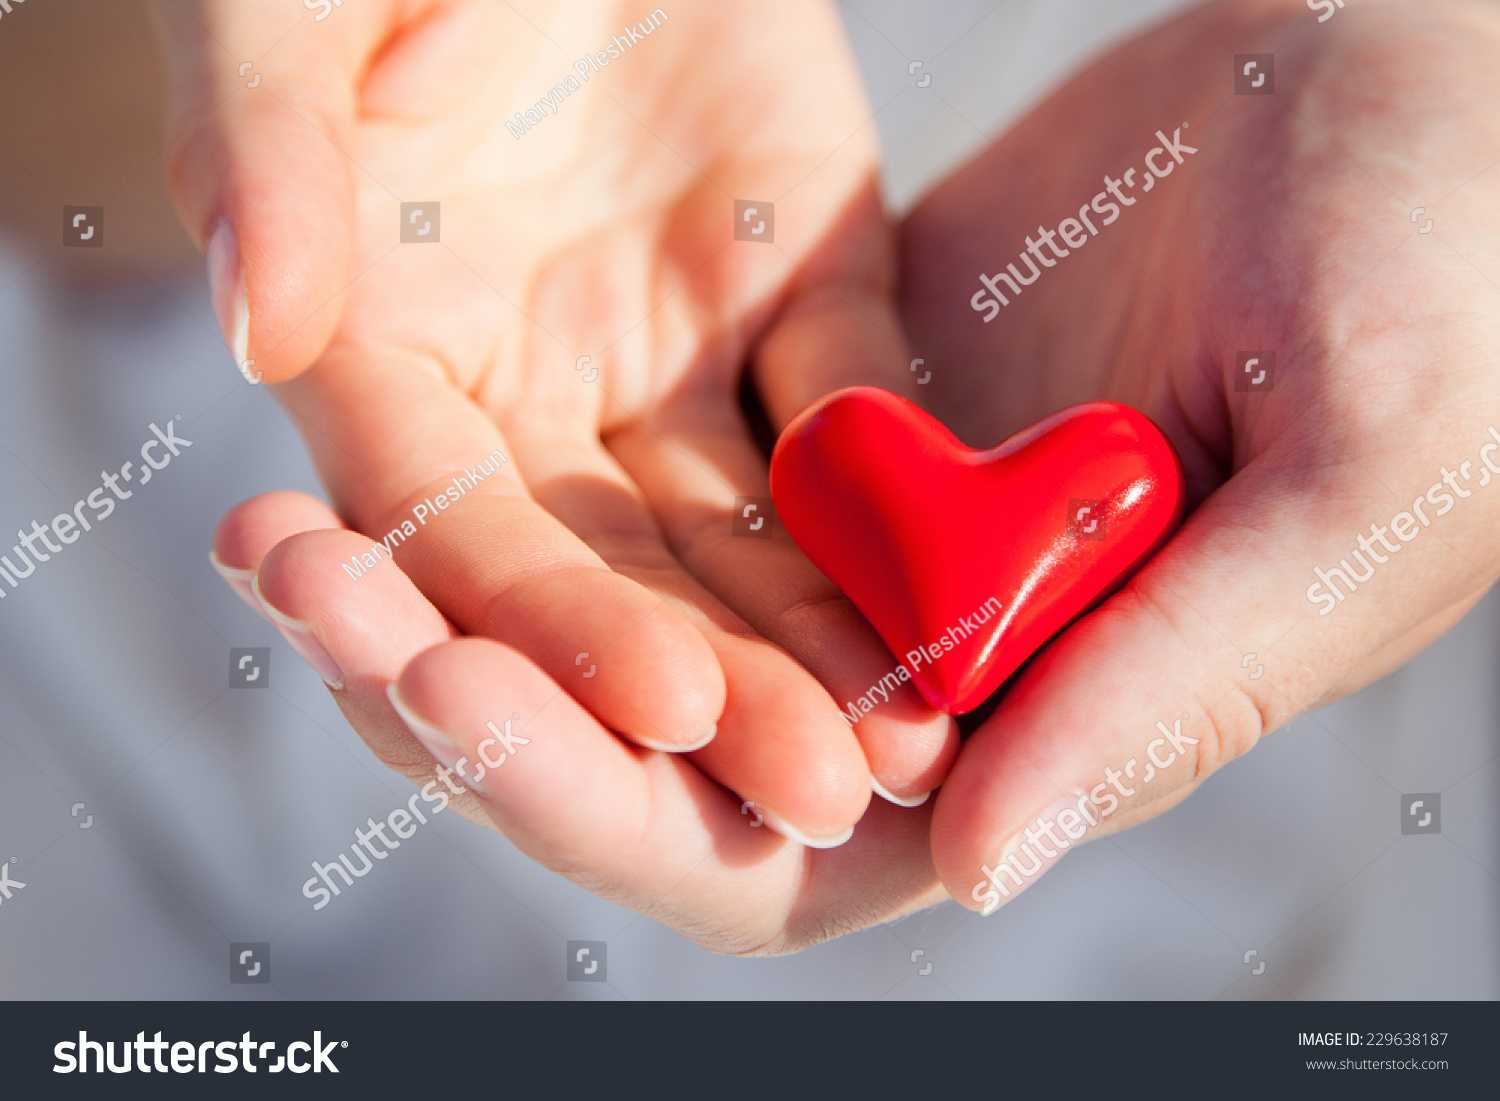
(605,232)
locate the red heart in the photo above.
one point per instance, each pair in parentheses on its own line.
(927,536)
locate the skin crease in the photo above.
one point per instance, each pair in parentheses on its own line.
(1288,230)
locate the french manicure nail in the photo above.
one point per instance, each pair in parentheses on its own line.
(437,742)
(226,286)
(1041,843)
(240,581)
(668,747)
(792,833)
(301,639)
(899,800)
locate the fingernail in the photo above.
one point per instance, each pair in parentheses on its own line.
(226,287)
(436,742)
(792,833)
(300,637)
(908,801)
(1025,857)
(666,747)
(240,581)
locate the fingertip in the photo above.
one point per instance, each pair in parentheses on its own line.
(910,752)
(800,837)
(279,241)
(670,747)
(783,747)
(900,800)
(627,655)
(433,738)
(682,704)
(549,767)
(251,528)
(240,581)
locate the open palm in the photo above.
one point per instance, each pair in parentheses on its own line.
(580,306)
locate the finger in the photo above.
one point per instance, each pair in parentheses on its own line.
(250,529)
(417,465)
(1217,641)
(646,830)
(782,747)
(775,713)
(836,328)
(840,329)
(840,326)
(357,637)
(693,460)
(261,175)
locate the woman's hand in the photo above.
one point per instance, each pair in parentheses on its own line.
(586,313)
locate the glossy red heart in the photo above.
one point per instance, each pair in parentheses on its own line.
(967,561)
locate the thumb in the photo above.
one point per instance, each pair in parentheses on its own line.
(1214,643)
(259,168)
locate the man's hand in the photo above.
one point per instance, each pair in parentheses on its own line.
(1368,457)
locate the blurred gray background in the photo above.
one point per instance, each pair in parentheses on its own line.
(204,805)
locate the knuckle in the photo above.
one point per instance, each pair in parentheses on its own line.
(1235,723)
